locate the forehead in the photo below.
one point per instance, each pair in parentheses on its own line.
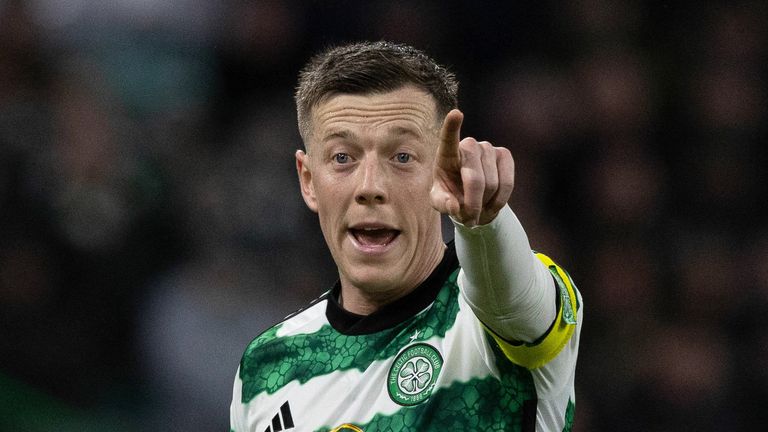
(405,108)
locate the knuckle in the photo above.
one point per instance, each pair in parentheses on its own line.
(488,153)
(474,180)
(507,182)
(486,146)
(492,184)
(469,145)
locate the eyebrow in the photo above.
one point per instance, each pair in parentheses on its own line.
(346,134)
(342,134)
(401,130)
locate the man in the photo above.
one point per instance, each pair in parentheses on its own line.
(416,335)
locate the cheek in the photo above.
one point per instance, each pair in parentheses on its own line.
(328,211)
(416,203)
(417,187)
(419,191)
(331,205)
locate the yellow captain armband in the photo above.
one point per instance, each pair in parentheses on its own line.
(538,353)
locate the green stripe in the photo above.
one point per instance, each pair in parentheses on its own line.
(570,413)
(479,404)
(271,362)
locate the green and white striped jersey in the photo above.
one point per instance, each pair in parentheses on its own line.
(422,363)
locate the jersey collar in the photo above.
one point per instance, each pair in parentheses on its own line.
(390,315)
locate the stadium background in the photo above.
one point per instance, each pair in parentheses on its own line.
(151,223)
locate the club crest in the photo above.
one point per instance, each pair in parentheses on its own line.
(413,374)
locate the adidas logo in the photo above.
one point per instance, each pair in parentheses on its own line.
(282,420)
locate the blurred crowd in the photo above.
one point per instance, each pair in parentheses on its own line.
(151,223)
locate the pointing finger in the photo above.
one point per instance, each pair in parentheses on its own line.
(450,135)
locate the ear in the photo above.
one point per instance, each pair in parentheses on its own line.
(305,179)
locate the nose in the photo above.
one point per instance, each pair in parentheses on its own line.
(371,188)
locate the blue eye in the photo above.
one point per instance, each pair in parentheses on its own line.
(403,157)
(341,158)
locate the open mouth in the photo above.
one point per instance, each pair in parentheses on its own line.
(374,237)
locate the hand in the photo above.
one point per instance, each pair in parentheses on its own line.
(472,180)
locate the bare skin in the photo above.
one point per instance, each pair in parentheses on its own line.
(379,169)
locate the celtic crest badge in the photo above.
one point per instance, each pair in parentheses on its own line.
(413,374)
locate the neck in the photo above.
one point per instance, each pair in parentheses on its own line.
(365,300)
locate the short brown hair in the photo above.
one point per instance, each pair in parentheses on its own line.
(371,67)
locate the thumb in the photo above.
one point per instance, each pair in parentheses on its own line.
(443,201)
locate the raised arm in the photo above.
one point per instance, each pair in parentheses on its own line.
(508,288)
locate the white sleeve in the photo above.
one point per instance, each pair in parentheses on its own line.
(507,287)
(236,414)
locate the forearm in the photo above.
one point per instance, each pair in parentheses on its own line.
(508,288)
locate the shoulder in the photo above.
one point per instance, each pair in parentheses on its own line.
(305,320)
(262,366)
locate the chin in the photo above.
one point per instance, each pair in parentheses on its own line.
(373,283)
